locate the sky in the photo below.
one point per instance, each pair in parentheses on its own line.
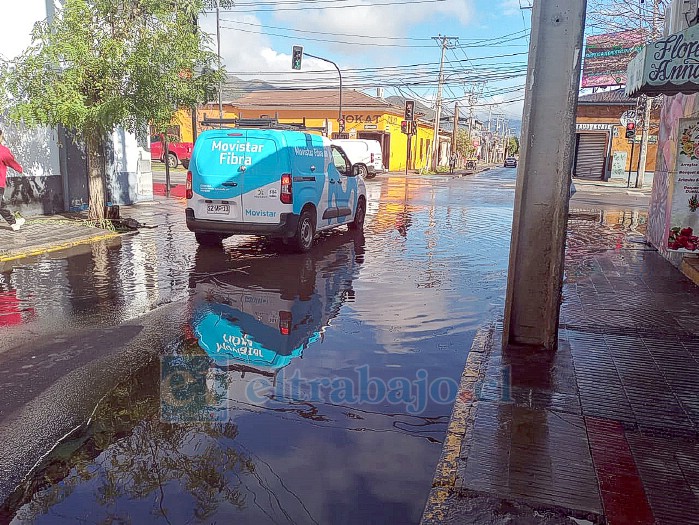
(384,44)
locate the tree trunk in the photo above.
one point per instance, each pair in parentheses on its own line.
(96,173)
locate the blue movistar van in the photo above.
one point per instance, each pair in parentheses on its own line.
(276,183)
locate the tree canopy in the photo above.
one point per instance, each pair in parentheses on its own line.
(100,64)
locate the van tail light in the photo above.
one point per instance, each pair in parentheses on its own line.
(285,195)
(188,186)
(285,323)
(372,157)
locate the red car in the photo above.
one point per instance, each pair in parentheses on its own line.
(178,152)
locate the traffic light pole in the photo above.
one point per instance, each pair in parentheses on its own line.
(339,117)
(628,180)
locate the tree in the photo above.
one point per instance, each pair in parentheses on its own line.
(512,146)
(103,64)
(464,144)
(611,16)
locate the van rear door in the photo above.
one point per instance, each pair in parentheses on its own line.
(266,160)
(218,186)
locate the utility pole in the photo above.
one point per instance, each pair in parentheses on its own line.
(218,47)
(445,42)
(647,107)
(456,126)
(535,276)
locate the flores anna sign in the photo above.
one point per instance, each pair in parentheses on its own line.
(667,66)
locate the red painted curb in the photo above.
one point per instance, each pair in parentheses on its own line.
(177,190)
(620,485)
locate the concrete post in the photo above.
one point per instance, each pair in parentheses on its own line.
(438,109)
(535,274)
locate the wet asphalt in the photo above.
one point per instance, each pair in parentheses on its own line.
(247,383)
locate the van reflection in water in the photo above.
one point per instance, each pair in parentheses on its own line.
(253,314)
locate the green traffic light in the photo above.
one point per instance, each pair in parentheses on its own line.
(296,55)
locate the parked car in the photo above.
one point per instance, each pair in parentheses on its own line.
(179,152)
(363,153)
(510,162)
(276,183)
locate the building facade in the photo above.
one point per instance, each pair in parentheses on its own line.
(365,117)
(54,161)
(663,69)
(602,151)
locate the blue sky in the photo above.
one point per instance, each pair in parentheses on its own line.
(387,46)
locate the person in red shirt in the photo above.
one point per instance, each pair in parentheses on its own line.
(7,160)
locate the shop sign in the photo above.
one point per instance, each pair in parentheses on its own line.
(361,119)
(667,66)
(683,195)
(593,126)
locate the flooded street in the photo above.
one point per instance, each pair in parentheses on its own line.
(284,388)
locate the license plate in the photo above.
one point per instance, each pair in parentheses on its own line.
(218,209)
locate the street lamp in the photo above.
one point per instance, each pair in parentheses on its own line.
(340,120)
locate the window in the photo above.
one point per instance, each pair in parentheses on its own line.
(340,161)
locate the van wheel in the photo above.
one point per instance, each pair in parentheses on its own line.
(209,239)
(305,231)
(358,223)
(363,172)
(172,160)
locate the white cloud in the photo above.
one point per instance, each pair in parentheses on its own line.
(376,20)
(19,19)
(511,7)
(245,52)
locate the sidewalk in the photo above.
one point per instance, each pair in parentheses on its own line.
(46,234)
(604,430)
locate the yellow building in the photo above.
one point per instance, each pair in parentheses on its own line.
(365,117)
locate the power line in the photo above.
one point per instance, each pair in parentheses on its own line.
(274,6)
(325,32)
(346,42)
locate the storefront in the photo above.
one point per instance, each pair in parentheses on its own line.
(668,67)
(365,117)
(591,151)
(602,150)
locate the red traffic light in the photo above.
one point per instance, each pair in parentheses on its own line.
(631,126)
(404,126)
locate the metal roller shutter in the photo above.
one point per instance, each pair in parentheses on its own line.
(590,157)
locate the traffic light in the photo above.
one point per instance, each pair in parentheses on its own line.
(341,124)
(296,55)
(630,130)
(409,109)
(404,126)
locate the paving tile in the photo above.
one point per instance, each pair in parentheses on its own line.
(537,455)
(668,469)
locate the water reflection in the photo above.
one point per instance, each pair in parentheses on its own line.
(254,314)
(128,464)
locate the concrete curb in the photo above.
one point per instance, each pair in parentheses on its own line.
(445,482)
(7,255)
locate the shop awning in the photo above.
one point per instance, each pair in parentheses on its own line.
(666,66)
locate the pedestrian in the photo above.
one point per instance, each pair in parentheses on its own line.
(452,162)
(7,160)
